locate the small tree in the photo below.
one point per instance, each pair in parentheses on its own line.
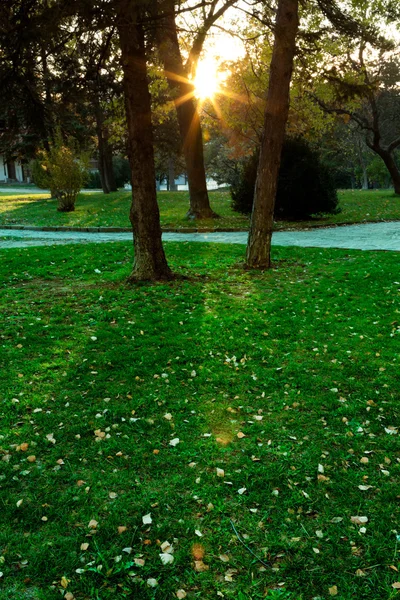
(63,171)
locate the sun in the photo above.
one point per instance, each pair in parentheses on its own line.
(207,79)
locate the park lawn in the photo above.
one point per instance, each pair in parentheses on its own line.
(99,210)
(264,400)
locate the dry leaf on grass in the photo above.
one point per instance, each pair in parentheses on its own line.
(93,524)
(180,594)
(359,520)
(147,520)
(333,591)
(199,566)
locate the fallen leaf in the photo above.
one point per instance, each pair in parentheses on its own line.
(363,488)
(240,435)
(174,442)
(241,491)
(19,503)
(128,550)
(396,585)
(84,546)
(364,460)
(224,558)
(168,416)
(139,562)
(166,558)
(333,591)
(112,495)
(121,529)
(166,547)
(197,532)
(220,472)
(152,582)
(24,447)
(31,458)
(64,582)
(359,520)
(180,594)
(199,566)
(360,573)
(336,519)
(93,524)
(69,596)
(198,551)
(147,520)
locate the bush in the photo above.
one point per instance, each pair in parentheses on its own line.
(62,171)
(305,185)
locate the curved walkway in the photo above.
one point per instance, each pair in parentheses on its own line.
(369,236)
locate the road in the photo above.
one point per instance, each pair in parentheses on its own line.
(369,236)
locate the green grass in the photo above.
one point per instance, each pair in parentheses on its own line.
(99,210)
(303,360)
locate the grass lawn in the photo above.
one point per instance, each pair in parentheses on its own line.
(133,419)
(99,210)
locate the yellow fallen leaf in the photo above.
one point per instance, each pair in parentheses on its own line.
(396,585)
(31,458)
(121,529)
(24,447)
(92,524)
(84,546)
(333,591)
(180,594)
(69,596)
(240,435)
(199,566)
(64,582)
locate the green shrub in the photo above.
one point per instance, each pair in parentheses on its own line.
(305,185)
(63,171)
(93,181)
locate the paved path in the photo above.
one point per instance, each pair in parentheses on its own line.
(371,236)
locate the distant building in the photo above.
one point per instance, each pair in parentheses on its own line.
(181,184)
(12,171)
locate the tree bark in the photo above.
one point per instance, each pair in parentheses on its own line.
(188,117)
(149,261)
(276,114)
(391,166)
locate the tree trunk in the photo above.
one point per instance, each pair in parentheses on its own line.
(188,117)
(392,167)
(149,262)
(276,114)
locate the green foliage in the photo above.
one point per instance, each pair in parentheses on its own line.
(122,171)
(378,173)
(63,171)
(93,181)
(305,186)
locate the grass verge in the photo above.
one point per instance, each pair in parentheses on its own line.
(136,416)
(99,210)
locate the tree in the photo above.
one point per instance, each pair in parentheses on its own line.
(180,78)
(63,171)
(276,114)
(149,261)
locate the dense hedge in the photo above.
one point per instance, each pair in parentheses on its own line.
(305,186)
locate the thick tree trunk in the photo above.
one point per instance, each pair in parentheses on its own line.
(149,262)
(392,167)
(276,114)
(188,117)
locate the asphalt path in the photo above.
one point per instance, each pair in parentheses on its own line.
(369,236)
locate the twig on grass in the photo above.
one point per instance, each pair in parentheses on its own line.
(247,548)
